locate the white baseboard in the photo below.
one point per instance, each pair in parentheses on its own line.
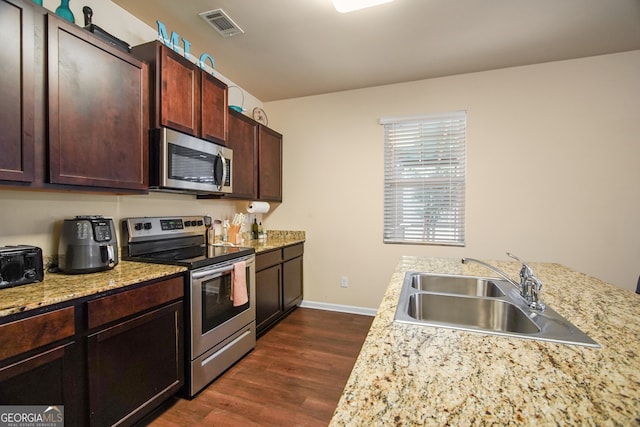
(339,307)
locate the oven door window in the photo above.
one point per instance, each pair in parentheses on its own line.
(190,165)
(217,306)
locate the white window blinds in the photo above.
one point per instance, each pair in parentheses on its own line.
(424,179)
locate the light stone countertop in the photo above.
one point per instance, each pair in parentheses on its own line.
(58,287)
(410,375)
(276,239)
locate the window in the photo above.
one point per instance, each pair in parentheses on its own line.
(424,179)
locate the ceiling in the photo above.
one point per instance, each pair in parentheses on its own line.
(294,48)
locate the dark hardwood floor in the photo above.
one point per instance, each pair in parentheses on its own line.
(294,376)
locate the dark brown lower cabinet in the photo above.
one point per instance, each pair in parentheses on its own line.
(292,283)
(47,378)
(134,366)
(109,359)
(39,359)
(268,301)
(278,284)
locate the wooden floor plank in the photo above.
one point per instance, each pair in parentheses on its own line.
(294,376)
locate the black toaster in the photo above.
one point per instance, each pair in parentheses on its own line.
(20,265)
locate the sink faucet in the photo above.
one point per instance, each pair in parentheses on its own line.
(530,286)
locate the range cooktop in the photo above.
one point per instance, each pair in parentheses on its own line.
(176,240)
(194,256)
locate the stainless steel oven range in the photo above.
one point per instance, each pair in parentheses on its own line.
(220,307)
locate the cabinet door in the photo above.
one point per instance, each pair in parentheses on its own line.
(135,365)
(98,115)
(213,109)
(48,378)
(269,165)
(16,92)
(268,297)
(242,139)
(292,283)
(179,101)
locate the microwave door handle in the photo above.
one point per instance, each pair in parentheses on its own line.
(224,171)
(211,273)
(214,169)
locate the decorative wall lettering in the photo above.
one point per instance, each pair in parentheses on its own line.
(174,43)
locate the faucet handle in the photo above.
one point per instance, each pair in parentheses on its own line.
(535,288)
(516,258)
(525,271)
(530,285)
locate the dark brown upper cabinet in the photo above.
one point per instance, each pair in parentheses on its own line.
(98,114)
(269,164)
(214,122)
(183,97)
(74,112)
(257,159)
(17,92)
(243,132)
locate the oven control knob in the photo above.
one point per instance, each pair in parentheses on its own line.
(187,223)
(147,226)
(200,223)
(137,226)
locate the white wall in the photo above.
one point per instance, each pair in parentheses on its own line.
(552,172)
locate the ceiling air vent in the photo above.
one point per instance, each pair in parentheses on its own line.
(219,20)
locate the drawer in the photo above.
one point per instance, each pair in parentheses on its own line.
(292,251)
(113,307)
(33,332)
(267,259)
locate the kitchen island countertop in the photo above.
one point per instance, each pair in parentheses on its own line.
(419,375)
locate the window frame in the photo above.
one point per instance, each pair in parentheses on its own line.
(425,158)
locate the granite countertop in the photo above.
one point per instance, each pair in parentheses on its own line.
(58,287)
(276,239)
(419,375)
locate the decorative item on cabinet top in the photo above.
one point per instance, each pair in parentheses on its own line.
(260,116)
(92,28)
(173,43)
(237,108)
(63,11)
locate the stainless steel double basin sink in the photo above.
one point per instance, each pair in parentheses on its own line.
(481,304)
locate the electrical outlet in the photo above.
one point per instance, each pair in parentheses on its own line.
(344,282)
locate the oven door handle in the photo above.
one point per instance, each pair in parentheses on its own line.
(211,273)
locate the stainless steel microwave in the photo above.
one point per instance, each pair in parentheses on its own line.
(185,164)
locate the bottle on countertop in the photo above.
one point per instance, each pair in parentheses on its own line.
(225,230)
(254,229)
